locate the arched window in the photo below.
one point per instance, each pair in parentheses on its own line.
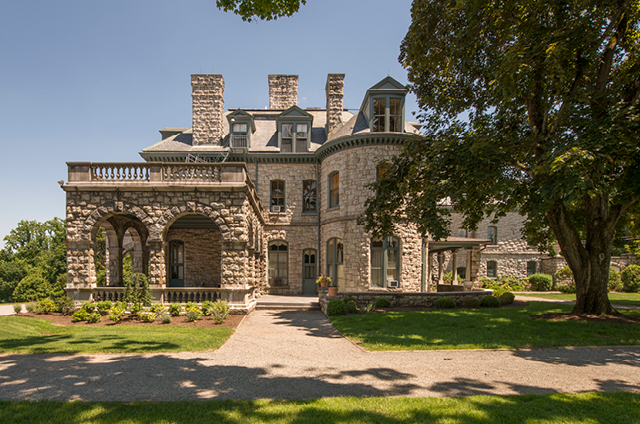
(385,262)
(492,269)
(278,263)
(335,261)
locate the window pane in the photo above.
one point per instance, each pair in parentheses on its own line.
(339,253)
(240,128)
(377,264)
(287,145)
(301,131)
(392,264)
(301,145)
(309,195)
(492,234)
(377,243)
(287,130)
(492,269)
(334,187)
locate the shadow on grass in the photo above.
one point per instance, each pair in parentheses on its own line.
(603,408)
(77,343)
(314,323)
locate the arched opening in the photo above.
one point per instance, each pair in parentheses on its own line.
(193,252)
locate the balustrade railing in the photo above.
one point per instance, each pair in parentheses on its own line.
(191,172)
(114,294)
(120,172)
(184,295)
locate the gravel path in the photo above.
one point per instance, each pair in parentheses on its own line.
(297,355)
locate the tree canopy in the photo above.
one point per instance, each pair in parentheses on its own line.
(528,106)
(267,10)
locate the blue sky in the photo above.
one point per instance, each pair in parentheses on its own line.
(95,80)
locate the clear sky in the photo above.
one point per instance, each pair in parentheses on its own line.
(95,80)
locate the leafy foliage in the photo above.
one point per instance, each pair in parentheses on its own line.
(352,307)
(529,107)
(631,278)
(137,291)
(336,307)
(382,302)
(175,309)
(615,280)
(33,287)
(220,310)
(541,282)
(470,302)
(506,298)
(445,303)
(80,315)
(250,10)
(489,301)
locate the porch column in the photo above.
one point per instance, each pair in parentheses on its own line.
(467,275)
(429,262)
(157,273)
(114,266)
(454,264)
(440,265)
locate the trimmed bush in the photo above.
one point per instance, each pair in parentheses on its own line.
(80,315)
(336,307)
(352,308)
(349,299)
(89,307)
(32,287)
(541,282)
(615,281)
(569,287)
(175,309)
(499,292)
(65,305)
(445,303)
(489,301)
(470,302)
(94,318)
(631,279)
(506,298)
(193,315)
(30,307)
(17,308)
(46,306)
(382,302)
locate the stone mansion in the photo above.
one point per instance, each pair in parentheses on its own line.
(249,201)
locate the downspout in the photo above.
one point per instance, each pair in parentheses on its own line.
(318,216)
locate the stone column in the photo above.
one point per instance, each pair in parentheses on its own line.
(80,264)
(440,266)
(454,265)
(114,266)
(467,275)
(157,273)
(207,109)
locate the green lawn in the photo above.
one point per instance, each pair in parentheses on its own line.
(617,298)
(35,335)
(484,328)
(601,408)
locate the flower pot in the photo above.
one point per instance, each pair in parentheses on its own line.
(324,283)
(333,291)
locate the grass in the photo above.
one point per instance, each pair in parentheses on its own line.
(617,298)
(35,335)
(601,408)
(485,328)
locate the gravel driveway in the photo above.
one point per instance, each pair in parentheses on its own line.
(297,355)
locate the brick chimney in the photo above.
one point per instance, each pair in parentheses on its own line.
(335,93)
(208,106)
(283,91)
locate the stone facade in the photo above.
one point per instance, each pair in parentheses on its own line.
(283,91)
(208,106)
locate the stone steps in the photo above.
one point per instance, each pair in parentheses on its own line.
(282,303)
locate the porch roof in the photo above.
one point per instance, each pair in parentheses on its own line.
(455,243)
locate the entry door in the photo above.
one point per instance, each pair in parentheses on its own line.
(309,272)
(176,264)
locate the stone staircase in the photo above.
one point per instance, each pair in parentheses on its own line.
(288,303)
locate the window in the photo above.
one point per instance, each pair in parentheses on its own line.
(294,137)
(532,267)
(462,233)
(387,114)
(335,261)
(385,261)
(492,234)
(309,191)
(239,135)
(492,269)
(278,264)
(334,189)
(381,171)
(462,272)
(277,195)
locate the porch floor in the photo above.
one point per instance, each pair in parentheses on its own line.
(288,303)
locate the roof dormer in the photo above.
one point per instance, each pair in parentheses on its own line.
(241,126)
(383,106)
(294,130)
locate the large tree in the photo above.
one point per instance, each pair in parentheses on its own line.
(528,106)
(250,10)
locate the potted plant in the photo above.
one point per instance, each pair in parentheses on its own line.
(333,289)
(323,280)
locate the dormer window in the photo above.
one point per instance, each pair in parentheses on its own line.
(241,126)
(294,130)
(383,106)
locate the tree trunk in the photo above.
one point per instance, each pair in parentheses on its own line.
(589,262)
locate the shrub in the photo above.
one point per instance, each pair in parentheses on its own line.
(17,308)
(32,287)
(94,318)
(220,311)
(499,291)
(489,301)
(448,278)
(569,287)
(631,278)
(46,306)
(158,309)
(541,282)
(89,307)
(506,298)
(381,302)
(80,315)
(65,305)
(116,313)
(615,281)
(119,305)
(137,290)
(207,308)
(175,309)
(104,306)
(445,303)
(193,315)
(368,308)
(349,299)
(352,308)
(336,307)
(191,306)
(147,316)
(470,302)
(30,307)
(166,319)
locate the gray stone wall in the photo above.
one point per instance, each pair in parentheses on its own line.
(207,109)
(283,91)
(202,255)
